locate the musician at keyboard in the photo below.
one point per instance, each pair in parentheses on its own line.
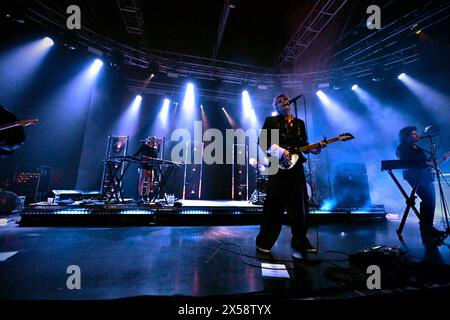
(423,178)
(149,148)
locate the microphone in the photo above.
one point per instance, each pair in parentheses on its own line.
(431,129)
(293,100)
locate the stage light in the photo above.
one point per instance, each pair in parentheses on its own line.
(48,42)
(320,94)
(354,87)
(248,110)
(117,60)
(98,63)
(189,98)
(137,102)
(274,114)
(378,73)
(337,86)
(95,67)
(415,28)
(70,40)
(401,76)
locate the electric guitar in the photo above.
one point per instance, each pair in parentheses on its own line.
(442,159)
(23,123)
(286,164)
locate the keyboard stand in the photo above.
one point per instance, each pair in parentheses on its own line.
(410,202)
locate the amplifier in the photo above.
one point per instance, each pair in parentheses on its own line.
(351,185)
(32,182)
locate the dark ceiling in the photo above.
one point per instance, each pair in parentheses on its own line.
(256,31)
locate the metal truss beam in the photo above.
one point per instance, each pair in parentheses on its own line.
(317,19)
(131,13)
(384,40)
(173,90)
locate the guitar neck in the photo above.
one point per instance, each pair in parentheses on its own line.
(9,126)
(23,123)
(315,145)
(444,158)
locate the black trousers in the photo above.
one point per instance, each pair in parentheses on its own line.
(426,193)
(286,190)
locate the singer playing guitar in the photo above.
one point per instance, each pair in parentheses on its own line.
(287,188)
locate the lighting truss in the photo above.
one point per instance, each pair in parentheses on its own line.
(317,19)
(365,59)
(131,13)
(387,39)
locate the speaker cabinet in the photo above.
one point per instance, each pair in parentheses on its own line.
(351,186)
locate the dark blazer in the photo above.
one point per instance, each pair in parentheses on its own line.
(289,136)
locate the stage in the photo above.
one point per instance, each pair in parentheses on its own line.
(183,212)
(139,143)
(207,261)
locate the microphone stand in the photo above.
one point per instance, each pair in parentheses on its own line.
(441,191)
(294,101)
(257,172)
(309,154)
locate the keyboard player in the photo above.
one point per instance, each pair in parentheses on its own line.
(424,178)
(146,171)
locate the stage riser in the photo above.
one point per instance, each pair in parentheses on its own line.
(166,217)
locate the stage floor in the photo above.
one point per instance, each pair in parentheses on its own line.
(120,262)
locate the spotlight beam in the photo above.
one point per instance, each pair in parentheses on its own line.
(229,118)
(430,98)
(189,99)
(129,120)
(248,110)
(95,67)
(337,114)
(18,66)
